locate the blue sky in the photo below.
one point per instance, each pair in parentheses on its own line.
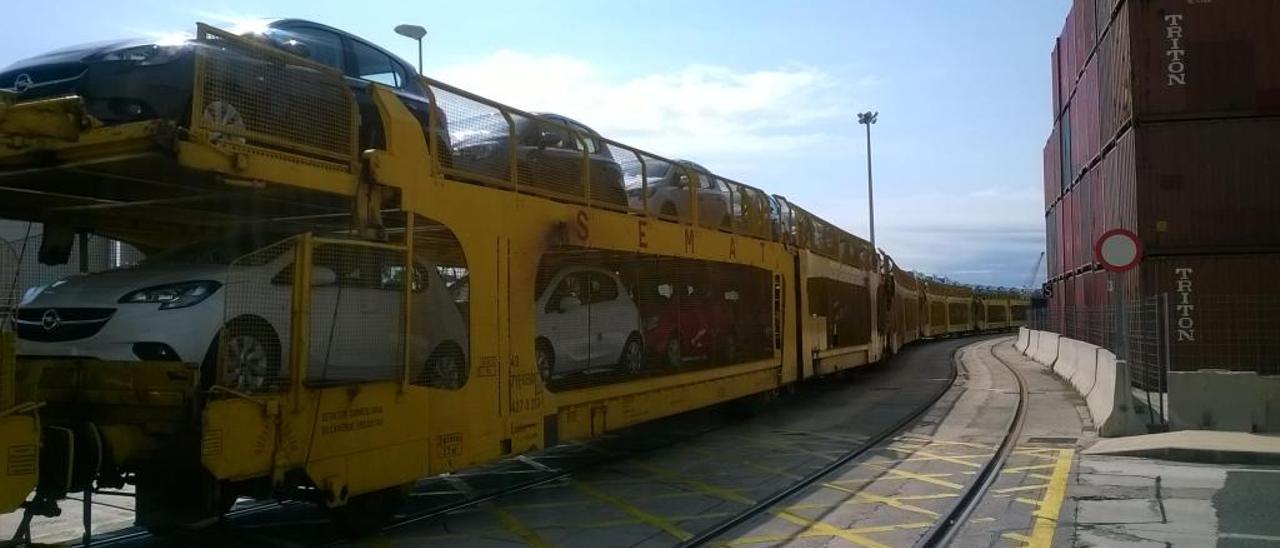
(762,92)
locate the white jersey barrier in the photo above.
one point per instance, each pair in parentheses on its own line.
(1095,373)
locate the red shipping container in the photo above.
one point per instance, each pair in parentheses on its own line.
(1115,93)
(1209,186)
(1085,143)
(1053,167)
(1068,62)
(1205,59)
(1086,30)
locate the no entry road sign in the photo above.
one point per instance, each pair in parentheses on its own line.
(1118,250)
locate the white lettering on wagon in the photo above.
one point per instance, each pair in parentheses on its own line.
(1184,308)
(1176,67)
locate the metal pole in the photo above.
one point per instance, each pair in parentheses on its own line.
(420,57)
(871,198)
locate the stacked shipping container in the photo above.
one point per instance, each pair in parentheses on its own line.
(1167,122)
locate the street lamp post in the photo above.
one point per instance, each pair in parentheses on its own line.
(867,119)
(417,33)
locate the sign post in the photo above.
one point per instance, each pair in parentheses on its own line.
(1119,251)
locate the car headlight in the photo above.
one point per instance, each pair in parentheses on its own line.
(170,296)
(149,54)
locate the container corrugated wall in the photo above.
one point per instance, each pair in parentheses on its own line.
(1210,186)
(1205,59)
(1114,80)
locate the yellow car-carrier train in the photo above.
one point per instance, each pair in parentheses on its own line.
(350,265)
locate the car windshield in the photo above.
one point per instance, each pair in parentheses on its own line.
(212,252)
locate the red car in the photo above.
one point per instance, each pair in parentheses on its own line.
(691,325)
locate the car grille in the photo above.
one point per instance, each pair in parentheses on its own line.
(40,325)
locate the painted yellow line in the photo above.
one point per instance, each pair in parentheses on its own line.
(1032,467)
(954,459)
(1051,505)
(634,511)
(1040,477)
(929,497)
(514,526)
(1029,502)
(624,522)
(817,527)
(888,501)
(1017,538)
(1020,488)
(926,478)
(900,475)
(775,539)
(946,442)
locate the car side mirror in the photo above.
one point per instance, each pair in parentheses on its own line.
(549,139)
(322,276)
(569,302)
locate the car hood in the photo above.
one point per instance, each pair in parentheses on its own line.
(106,288)
(77,53)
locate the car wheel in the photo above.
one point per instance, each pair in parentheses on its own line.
(447,367)
(223,114)
(545,358)
(632,360)
(251,355)
(674,356)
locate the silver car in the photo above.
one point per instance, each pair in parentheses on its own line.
(668,192)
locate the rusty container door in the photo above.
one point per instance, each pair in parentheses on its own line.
(1224,310)
(1053,167)
(1209,186)
(1205,59)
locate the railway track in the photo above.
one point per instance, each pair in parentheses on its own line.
(944,530)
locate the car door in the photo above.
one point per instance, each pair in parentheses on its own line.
(556,164)
(567,329)
(606,173)
(369,65)
(713,200)
(610,321)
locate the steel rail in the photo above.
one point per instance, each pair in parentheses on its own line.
(944,532)
(708,535)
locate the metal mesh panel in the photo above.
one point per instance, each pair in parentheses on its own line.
(632,165)
(481,138)
(548,159)
(680,314)
(440,309)
(20,270)
(255,94)
(254,341)
(847,308)
(357,312)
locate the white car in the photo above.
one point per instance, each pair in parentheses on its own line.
(586,320)
(174,307)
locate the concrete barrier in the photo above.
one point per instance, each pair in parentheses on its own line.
(1110,400)
(1096,375)
(1033,342)
(1216,399)
(1085,377)
(1024,338)
(1047,351)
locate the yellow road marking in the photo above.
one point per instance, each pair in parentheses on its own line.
(809,525)
(1020,488)
(513,525)
(774,539)
(1032,467)
(1040,476)
(954,459)
(945,442)
(1051,505)
(1029,502)
(622,522)
(888,501)
(926,478)
(635,511)
(1017,538)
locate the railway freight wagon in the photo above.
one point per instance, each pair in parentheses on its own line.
(437,301)
(1166,123)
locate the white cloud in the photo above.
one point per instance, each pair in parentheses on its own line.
(695,111)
